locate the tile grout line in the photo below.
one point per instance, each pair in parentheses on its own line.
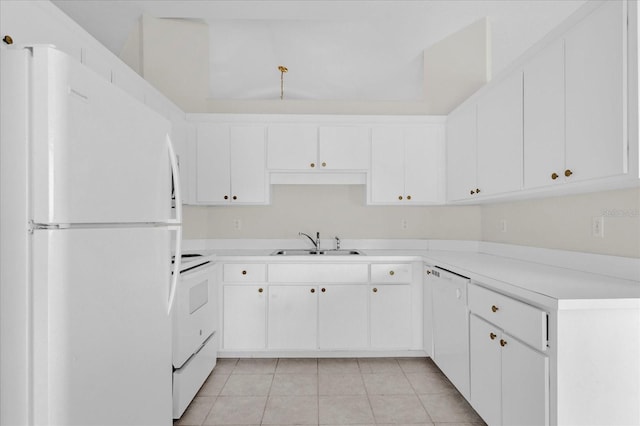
(415,392)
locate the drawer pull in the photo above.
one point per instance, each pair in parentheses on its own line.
(324,164)
(492,336)
(568,173)
(391,273)
(503,343)
(260,290)
(375,290)
(323,289)
(244,272)
(312,165)
(494,308)
(313,290)
(554,176)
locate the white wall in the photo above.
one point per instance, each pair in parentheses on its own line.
(565,222)
(332,210)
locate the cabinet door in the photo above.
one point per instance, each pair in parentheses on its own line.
(244,310)
(461,153)
(212,164)
(344,148)
(544,118)
(424,164)
(342,317)
(485,370)
(525,385)
(390,316)
(293,316)
(292,147)
(248,171)
(387,165)
(595,94)
(500,138)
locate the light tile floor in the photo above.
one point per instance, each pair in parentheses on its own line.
(328,391)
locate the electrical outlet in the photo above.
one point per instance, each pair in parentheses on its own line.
(597,227)
(237,224)
(404,224)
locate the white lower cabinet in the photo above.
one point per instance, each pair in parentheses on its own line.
(244,317)
(293,316)
(509,380)
(342,316)
(390,316)
(300,307)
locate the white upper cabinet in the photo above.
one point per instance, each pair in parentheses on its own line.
(596,94)
(499,138)
(461,153)
(407,165)
(230,163)
(308,147)
(544,116)
(292,147)
(574,103)
(344,148)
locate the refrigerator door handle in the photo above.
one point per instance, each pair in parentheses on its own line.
(177,225)
(175,172)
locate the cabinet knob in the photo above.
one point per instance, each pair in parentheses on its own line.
(260,290)
(312,165)
(375,290)
(7,39)
(503,343)
(313,290)
(554,176)
(234,197)
(323,289)
(324,164)
(494,308)
(429,272)
(477,190)
(400,197)
(244,272)
(392,273)
(568,173)
(472,192)
(492,336)
(408,197)
(226,197)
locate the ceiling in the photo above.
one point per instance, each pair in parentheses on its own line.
(334,49)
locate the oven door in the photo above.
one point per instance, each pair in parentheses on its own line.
(194,315)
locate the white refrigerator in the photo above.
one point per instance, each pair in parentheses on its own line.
(87,232)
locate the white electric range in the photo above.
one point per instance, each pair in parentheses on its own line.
(195,340)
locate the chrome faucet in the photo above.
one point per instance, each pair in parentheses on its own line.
(337,242)
(316,243)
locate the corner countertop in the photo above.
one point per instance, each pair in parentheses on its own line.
(549,278)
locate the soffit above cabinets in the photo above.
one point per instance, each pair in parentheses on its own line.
(335,50)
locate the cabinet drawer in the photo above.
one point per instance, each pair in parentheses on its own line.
(522,321)
(244,272)
(391,273)
(318,273)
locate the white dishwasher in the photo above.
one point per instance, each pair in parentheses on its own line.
(451,327)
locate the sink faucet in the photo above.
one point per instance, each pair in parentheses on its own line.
(316,243)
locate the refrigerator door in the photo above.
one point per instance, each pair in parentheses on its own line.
(101,331)
(98,155)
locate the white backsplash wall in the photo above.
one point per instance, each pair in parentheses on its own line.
(332,210)
(566,222)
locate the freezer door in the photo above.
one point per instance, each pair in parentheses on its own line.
(101,332)
(98,155)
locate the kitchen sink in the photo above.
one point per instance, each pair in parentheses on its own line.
(297,252)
